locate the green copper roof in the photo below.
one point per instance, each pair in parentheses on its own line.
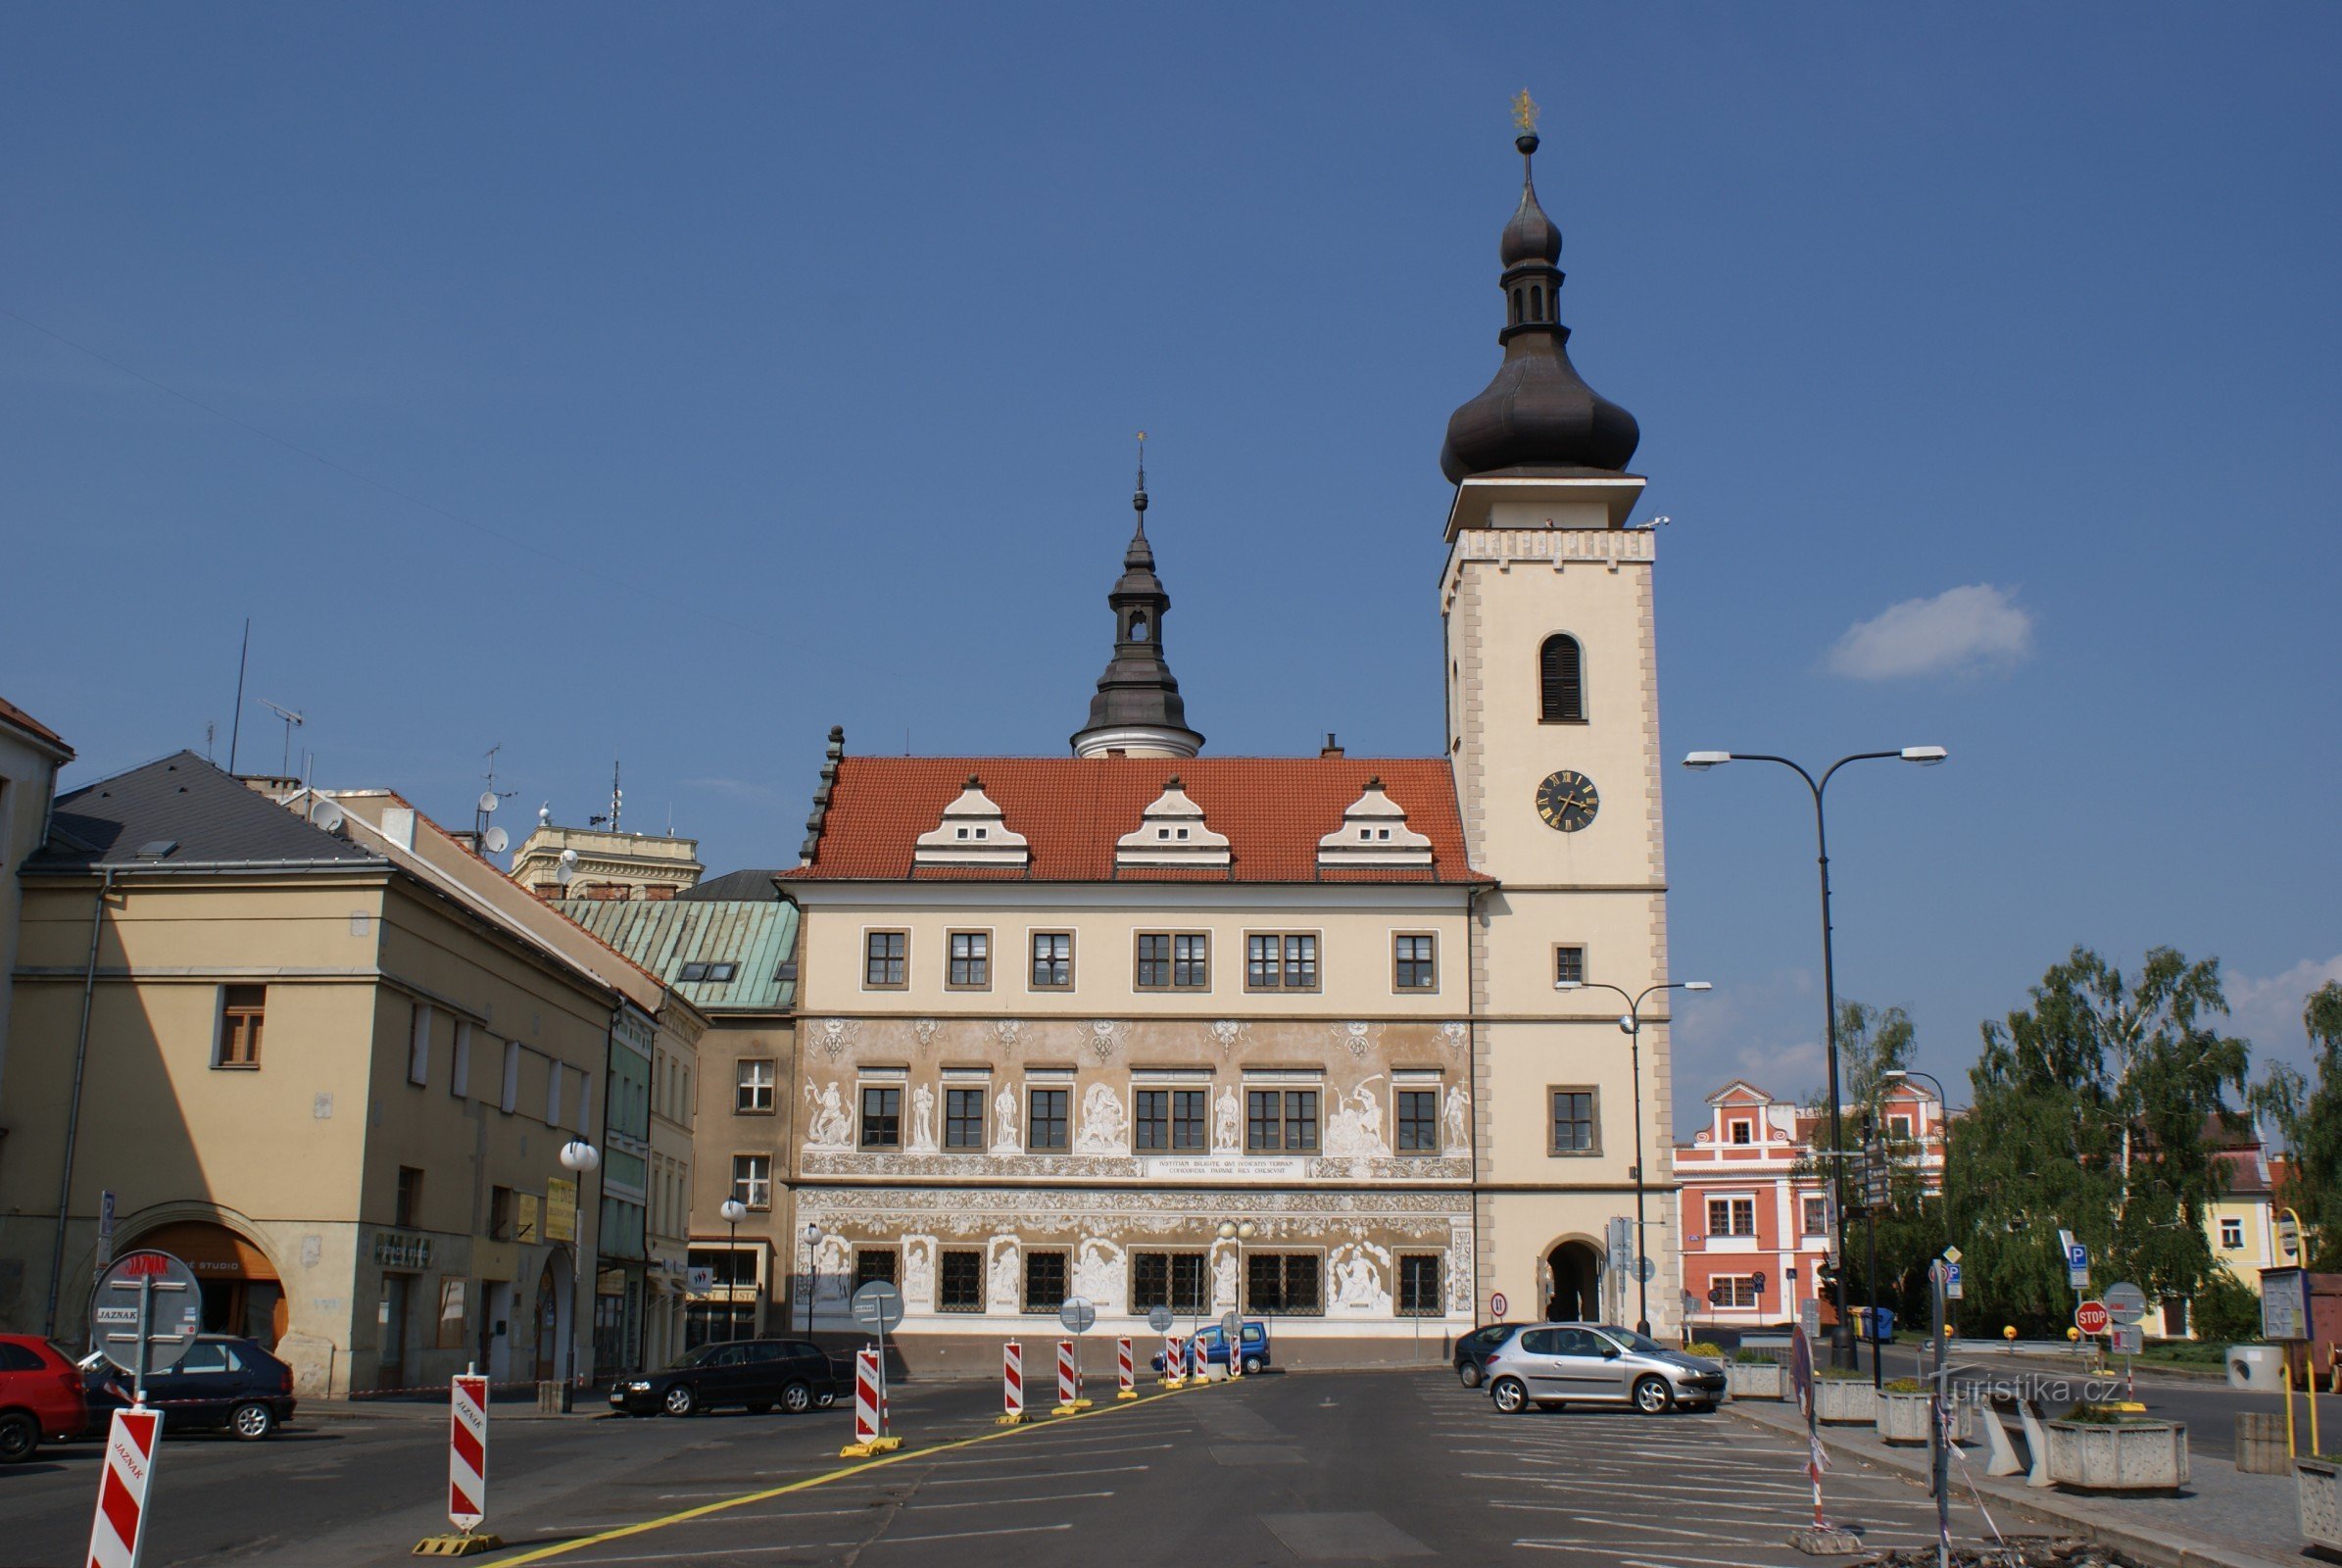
(664,935)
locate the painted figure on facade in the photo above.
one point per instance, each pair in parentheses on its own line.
(1004,1121)
(1105,1128)
(830,1127)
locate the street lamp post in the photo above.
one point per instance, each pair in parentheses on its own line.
(733,1210)
(812,1280)
(1238,1232)
(580,1159)
(1842,1337)
(1631,1022)
(1943,1133)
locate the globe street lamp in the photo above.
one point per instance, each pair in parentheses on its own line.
(1238,1232)
(812,1280)
(1631,1022)
(1843,1337)
(580,1159)
(733,1210)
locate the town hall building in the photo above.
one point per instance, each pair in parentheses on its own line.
(1154,1026)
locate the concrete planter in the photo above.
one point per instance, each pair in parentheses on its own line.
(1845,1402)
(1903,1418)
(2319,1487)
(1754,1380)
(2120,1456)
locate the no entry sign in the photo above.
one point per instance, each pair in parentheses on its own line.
(2092,1318)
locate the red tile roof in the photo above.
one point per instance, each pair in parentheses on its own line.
(1071,810)
(11,714)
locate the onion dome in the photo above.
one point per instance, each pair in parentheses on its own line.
(1537,416)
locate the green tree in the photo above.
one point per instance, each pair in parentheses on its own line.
(2091,1112)
(2309,1119)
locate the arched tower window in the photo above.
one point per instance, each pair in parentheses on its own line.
(1536,301)
(1139,626)
(1561,681)
(1516,307)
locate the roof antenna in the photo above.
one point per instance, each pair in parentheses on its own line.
(292,722)
(1138,499)
(617,800)
(235,727)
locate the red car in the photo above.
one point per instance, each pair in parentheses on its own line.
(41,1397)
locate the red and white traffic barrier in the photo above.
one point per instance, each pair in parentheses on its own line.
(1013,1383)
(132,1442)
(868,1414)
(1175,1357)
(1069,1373)
(1126,1372)
(468,1453)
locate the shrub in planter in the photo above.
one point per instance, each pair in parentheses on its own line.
(1754,1377)
(1844,1398)
(2098,1450)
(1714,1353)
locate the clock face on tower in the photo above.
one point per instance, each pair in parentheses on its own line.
(1567,801)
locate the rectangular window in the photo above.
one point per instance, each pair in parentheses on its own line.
(964,1118)
(510,1102)
(500,1213)
(2233,1234)
(1419,1122)
(1731,1217)
(1419,1286)
(959,1280)
(1150,1116)
(1573,1130)
(1898,1128)
(971,960)
(1168,1279)
(1413,963)
(408,1201)
(886,961)
(1569,966)
(1045,1282)
(752,1180)
(459,1078)
(882,1117)
(1742,1132)
(1279,961)
(419,1046)
(554,1072)
(1816,1216)
(1173,961)
(874,1263)
(1053,960)
(1733,1290)
(1188,1111)
(754,1091)
(240,1012)
(1288,1283)
(1281,1119)
(1045,1126)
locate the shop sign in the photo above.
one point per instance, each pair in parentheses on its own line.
(561,1209)
(402,1250)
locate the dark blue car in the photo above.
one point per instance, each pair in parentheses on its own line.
(1213,1343)
(222,1381)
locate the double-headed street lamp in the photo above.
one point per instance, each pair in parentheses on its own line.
(734,1211)
(1630,1022)
(812,1280)
(1239,1231)
(579,1159)
(1842,1339)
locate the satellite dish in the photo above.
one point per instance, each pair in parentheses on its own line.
(496,840)
(487,799)
(326,816)
(564,872)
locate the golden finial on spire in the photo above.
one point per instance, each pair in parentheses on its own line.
(1525,112)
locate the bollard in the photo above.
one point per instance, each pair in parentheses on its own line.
(133,1442)
(1126,1375)
(1069,1380)
(1013,1385)
(1175,1361)
(467,1473)
(870,1434)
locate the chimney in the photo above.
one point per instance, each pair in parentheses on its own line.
(1332,748)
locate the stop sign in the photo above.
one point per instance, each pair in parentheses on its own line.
(2092,1318)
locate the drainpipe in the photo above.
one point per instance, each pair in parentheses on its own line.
(73,1114)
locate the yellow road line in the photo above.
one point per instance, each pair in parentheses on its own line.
(563,1548)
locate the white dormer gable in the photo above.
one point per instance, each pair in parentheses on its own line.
(973,832)
(1172,832)
(1374,832)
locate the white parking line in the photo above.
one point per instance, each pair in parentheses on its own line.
(1022,1451)
(734,1551)
(969,1535)
(1003,1503)
(1054,1475)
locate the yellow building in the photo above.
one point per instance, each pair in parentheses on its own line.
(335,1087)
(31,754)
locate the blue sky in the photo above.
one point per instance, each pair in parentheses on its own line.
(669,385)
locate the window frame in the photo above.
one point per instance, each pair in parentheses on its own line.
(1033,961)
(979,963)
(863,1115)
(1584,969)
(224,1055)
(944,1262)
(1812,1206)
(1025,1299)
(1253,1307)
(1399,1121)
(1062,1120)
(1740,1133)
(745,1182)
(979,1094)
(1281,1123)
(869,935)
(1731,1203)
(1195,1301)
(1398,987)
(771,1086)
(1738,1284)
(1284,963)
(1171,960)
(1399,1285)
(1593,1118)
(2230,1223)
(1545,703)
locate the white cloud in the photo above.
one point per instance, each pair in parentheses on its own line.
(1959,631)
(2268,1012)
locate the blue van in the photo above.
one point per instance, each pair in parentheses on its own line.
(1213,1345)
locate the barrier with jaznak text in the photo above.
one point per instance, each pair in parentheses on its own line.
(1013,1385)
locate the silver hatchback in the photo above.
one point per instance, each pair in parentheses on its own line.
(1592,1363)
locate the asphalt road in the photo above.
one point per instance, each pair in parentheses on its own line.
(2208,1406)
(1282,1469)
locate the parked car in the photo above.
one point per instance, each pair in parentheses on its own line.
(222,1381)
(1594,1363)
(1213,1345)
(757,1374)
(41,1397)
(1473,1351)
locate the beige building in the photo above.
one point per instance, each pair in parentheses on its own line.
(334,1085)
(31,754)
(587,862)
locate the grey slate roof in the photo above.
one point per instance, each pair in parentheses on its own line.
(199,808)
(735,887)
(663,935)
